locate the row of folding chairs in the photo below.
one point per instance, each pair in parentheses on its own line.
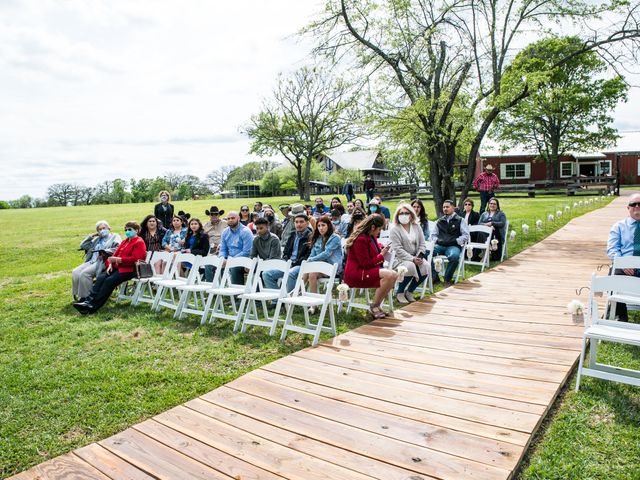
(186,292)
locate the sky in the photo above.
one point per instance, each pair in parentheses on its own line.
(104,89)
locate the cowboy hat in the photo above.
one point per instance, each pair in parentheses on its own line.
(214,210)
(488,167)
(297,208)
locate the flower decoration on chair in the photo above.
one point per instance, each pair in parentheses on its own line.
(575,204)
(494,244)
(438,264)
(525,229)
(469,251)
(402,271)
(580,203)
(576,309)
(343,290)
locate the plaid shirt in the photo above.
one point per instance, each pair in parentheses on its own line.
(486,182)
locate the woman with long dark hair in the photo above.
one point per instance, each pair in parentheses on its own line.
(365,257)
(152,232)
(496,219)
(421,214)
(196,241)
(325,247)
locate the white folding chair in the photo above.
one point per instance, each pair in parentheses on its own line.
(143,291)
(166,287)
(259,293)
(597,330)
(301,298)
(632,299)
(196,291)
(131,285)
(485,246)
(505,241)
(427,285)
(389,258)
(459,270)
(229,290)
(384,241)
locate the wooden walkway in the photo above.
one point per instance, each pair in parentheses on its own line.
(453,387)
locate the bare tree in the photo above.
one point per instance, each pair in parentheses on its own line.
(60,194)
(440,64)
(218,178)
(310,113)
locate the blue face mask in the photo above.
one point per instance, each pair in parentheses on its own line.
(104,232)
(336,222)
(374,208)
(130,233)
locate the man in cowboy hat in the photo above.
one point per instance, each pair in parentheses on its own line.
(214,227)
(486,184)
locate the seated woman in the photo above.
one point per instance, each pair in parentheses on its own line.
(468,213)
(409,244)
(101,240)
(174,237)
(245,217)
(365,257)
(339,227)
(325,247)
(152,232)
(357,216)
(120,268)
(197,240)
(497,220)
(357,203)
(421,216)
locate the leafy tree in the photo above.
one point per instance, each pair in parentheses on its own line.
(446,59)
(270,183)
(310,113)
(141,190)
(571,110)
(4,205)
(60,194)
(249,172)
(24,201)
(338,178)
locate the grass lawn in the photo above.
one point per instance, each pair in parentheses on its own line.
(68,380)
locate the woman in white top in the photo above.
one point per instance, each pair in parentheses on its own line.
(408,243)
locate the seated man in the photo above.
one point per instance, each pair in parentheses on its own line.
(266,245)
(236,241)
(450,234)
(94,263)
(320,209)
(624,240)
(296,250)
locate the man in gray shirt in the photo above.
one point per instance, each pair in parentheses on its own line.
(266,245)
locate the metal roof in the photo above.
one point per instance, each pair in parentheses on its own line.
(356,160)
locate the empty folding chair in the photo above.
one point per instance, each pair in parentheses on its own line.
(262,295)
(484,247)
(166,292)
(598,330)
(228,290)
(193,297)
(301,298)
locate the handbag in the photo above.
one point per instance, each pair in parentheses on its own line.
(143,269)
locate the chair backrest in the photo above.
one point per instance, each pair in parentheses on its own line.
(211,261)
(265,266)
(238,262)
(480,229)
(432,226)
(328,269)
(181,273)
(166,257)
(389,258)
(625,262)
(384,241)
(505,237)
(430,247)
(618,284)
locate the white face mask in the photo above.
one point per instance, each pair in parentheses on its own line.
(404,218)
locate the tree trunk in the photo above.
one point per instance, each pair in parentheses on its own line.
(307,175)
(299,181)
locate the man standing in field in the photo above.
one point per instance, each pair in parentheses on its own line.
(486,184)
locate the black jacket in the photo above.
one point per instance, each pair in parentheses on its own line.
(200,245)
(162,215)
(304,249)
(473,216)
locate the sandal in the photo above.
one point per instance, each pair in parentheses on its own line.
(377,312)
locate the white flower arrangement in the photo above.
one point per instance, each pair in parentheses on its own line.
(343,290)
(558,213)
(469,251)
(438,264)
(576,309)
(575,204)
(525,228)
(609,194)
(567,208)
(539,224)
(512,235)
(494,244)
(550,217)
(402,270)
(580,203)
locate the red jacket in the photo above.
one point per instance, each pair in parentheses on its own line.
(130,251)
(363,263)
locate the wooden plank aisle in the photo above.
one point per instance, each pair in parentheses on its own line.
(451,387)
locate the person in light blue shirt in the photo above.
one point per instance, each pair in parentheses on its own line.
(624,241)
(325,247)
(236,241)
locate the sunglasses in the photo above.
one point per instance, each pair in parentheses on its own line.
(634,204)
(467,204)
(244,209)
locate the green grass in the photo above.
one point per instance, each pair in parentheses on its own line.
(68,380)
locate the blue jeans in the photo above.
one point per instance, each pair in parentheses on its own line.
(410,284)
(237,275)
(270,278)
(369,194)
(453,256)
(484,199)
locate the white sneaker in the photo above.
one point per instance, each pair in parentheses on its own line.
(409,296)
(401,298)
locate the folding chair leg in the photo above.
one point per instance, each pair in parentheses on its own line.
(581,363)
(332,319)
(276,319)
(207,308)
(156,300)
(316,335)
(239,314)
(287,322)
(593,352)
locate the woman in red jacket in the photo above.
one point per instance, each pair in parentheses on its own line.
(121,267)
(365,257)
